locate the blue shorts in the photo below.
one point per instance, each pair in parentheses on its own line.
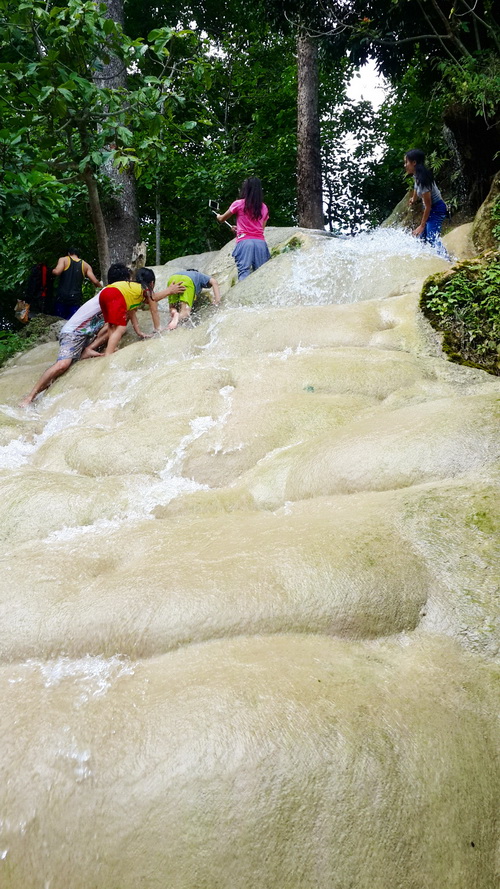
(250,254)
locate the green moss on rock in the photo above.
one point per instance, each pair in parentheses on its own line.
(293,243)
(464,305)
(486,228)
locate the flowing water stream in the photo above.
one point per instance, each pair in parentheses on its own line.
(250,594)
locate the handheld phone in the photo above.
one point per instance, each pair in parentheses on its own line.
(214,207)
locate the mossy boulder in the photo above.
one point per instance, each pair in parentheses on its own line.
(463,303)
(483,233)
(43,329)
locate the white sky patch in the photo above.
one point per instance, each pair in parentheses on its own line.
(367,84)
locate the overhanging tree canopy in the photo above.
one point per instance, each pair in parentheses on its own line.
(62,121)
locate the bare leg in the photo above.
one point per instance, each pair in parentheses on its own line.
(51,374)
(90,351)
(174,318)
(115,335)
(184,311)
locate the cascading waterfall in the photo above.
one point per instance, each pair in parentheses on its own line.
(460,183)
(250,598)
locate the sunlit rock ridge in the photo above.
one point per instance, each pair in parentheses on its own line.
(250,593)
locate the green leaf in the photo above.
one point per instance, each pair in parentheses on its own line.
(125,135)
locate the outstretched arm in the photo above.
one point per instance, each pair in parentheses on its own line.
(87,270)
(155,313)
(215,299)
(132,314)
(221,217)
(426,197)
(169,291)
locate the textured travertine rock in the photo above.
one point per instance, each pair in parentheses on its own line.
(459,243)
(333,764)
(357,567)
(250,611)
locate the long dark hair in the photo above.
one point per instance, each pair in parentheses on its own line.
(423,175)
(251,191)
(146,278)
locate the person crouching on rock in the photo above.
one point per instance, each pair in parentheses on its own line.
(119,303)
(80,337)
(193,281)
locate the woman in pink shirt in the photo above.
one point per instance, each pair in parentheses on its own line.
(251,213)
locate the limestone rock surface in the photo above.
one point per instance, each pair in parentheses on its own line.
(250,601)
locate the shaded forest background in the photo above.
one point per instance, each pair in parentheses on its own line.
(119,121)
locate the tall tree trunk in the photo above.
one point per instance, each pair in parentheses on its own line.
(309,191)
(158,230)
(121,215)
(120,212)
(99,223)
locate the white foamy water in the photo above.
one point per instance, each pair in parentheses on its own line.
(18,452)
(144,497)
(336,270)
(90,676)
(348,270)
(146,494)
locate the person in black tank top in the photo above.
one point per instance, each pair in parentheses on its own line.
(71,270)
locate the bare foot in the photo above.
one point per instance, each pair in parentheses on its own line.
(90,353)
(174,321)
(26,401)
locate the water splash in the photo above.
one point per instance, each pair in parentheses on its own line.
(91,676)
(347,270)
(19,451)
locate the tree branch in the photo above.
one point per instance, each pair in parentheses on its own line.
(441,40)
(490,29)
(449,30)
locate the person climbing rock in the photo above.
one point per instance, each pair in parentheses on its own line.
(251,213)
(80,337)
(120,301)
(71,271)
(193,281)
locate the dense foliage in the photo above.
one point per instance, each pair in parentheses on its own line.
(465,306)
(61,123)
(249,129)
(210,97)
